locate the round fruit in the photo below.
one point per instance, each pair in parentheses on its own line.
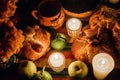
(37,76)
(27,69)
(78,68)
(61,35)
(58,43)
(43,75)
(46,76)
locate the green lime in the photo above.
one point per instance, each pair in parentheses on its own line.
(58,43)
(61,35)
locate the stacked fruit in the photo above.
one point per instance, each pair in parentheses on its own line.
(28,69)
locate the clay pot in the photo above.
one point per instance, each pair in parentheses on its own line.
(49,13)
(80,8)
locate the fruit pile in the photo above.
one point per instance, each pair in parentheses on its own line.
(29,70)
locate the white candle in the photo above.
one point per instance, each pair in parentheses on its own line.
(74,26)
(102,64)
(57,61)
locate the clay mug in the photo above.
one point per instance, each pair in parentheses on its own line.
(49,13)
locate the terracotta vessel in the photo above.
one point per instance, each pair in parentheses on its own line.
(80,8)
(49,13)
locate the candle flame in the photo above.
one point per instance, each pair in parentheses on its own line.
(56,56)
(74,20)
(103,62)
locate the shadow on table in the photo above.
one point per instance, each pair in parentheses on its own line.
(114,75)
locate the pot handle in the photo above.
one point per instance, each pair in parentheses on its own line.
(34,14)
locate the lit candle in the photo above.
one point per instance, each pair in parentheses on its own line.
(102,64)
(57,61)
(74,26)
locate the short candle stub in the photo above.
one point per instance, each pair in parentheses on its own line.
(102,64)
(57,61)
(73,26)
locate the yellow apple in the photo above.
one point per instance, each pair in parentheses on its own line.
(27,69)
(77,69)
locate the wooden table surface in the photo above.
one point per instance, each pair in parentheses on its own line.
(11,73)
